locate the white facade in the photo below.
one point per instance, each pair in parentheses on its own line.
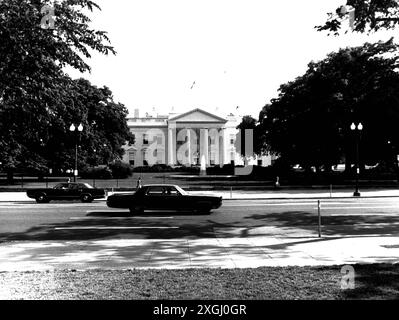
(185,139)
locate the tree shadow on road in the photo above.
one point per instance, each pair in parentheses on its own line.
(343,225)
(212,237)
(297,225)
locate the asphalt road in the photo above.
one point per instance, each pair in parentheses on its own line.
(236,218)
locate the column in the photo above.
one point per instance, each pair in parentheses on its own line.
(190,156)
(204,147)
(221,147)
(171,146)
(216,146)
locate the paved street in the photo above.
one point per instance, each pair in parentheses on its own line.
(246,233)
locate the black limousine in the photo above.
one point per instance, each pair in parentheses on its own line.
(163,197)
(67,191)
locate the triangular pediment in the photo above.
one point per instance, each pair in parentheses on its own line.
(198,115)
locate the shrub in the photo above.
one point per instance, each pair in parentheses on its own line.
(96,173)
(154,168)
(120,170)
(226,170)
(165,168)
(187,169)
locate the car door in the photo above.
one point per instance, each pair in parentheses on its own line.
(73,191)
(154,198)
(59,192)
(174,200)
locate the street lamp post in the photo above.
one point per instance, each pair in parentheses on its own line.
(73,129)
(357,129)
(395,157)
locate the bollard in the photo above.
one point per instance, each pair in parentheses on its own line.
(319,215)
(22,181)
(231,192)
(330,190)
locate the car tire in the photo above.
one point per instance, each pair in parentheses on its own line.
(42,198)
(136,210)
(86,198)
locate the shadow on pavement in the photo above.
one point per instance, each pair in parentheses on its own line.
(142,215)
(298,225)
(187,241)
(334,225)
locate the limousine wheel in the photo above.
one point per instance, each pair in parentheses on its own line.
(86,198)
(136,210)
(41,198)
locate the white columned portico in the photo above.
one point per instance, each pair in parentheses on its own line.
(222,147)
(189,151)
(216,146)
(204,145)
(172,146)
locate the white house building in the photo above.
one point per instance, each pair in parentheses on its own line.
(185,139)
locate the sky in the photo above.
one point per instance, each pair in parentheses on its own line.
(177,55)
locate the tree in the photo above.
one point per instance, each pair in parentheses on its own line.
(35,93)
(369,16)
(104,122)
(309,123)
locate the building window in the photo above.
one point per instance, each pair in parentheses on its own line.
(132,157)
(260,162)
(134,138)
(145,139)
(232,139)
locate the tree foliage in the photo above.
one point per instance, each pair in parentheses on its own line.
(309,122)
(38,101)
(371,15)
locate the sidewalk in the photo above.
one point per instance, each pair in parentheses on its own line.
(254,195)
(251,252)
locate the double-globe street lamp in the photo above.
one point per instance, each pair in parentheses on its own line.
(79,129)
(357,129)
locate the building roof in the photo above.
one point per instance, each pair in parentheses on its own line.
(208,114)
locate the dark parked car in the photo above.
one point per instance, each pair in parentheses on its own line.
(67,191)
(163,197)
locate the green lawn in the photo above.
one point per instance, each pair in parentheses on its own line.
(376,281)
